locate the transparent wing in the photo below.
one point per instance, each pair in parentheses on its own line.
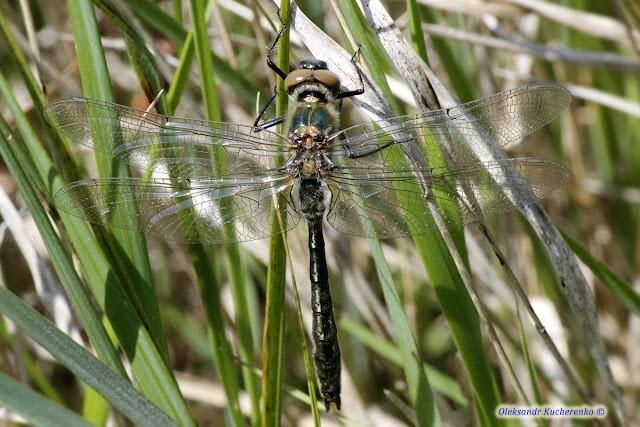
(210,211)
(172,146)
(506,117)
(389,204)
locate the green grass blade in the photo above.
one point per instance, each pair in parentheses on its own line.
(22,64)
(119,392)
(143,61)
(212,111)
(95,408)
(128,248)
(458,73)
(419,387)
(181,76)
(531,367)
(220,347)
(272,346)
(620,288)
(306,355)
(148,366)
(152,15)
(415,24)
(20,166)
(36,409)
(439,381)
(205,62)
(273,334)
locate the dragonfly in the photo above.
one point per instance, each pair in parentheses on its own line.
(220,182)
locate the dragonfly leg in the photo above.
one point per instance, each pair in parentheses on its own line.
(343,140)
(360,90)
(267,124)
(257,127)
(270,62)
(281,74)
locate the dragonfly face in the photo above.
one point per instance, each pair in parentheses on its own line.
(312,82)
(217,182)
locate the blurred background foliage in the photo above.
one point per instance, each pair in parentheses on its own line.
(199,355)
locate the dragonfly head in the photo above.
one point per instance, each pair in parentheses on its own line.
(312,82)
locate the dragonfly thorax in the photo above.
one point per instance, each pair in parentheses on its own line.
(311,123)
(309,145)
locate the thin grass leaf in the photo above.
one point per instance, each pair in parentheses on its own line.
(142,60)
(439,381)
(620,288)
(419,385)
(18,163)
(36,409)
(272,346)
(273,335)
(148,365)
(129,249)
(221,348)
(477,51)
(458,75)
(23,67)
(531,367)
(308,365)
(415,22)
(456,306)
(119,392)
(95,408)
(40,381)
(181,75)
(150,14)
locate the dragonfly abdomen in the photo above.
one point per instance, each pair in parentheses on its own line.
(326,352)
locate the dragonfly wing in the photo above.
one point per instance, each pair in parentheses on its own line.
(504,117)
(511,115)
(173,146)
(187,211)
(492,187)
(384,204)
(375,207)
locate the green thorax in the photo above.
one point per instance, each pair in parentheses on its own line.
(319,115)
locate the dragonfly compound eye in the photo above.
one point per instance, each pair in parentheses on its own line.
(312,78)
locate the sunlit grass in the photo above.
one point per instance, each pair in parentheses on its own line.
(197,314)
